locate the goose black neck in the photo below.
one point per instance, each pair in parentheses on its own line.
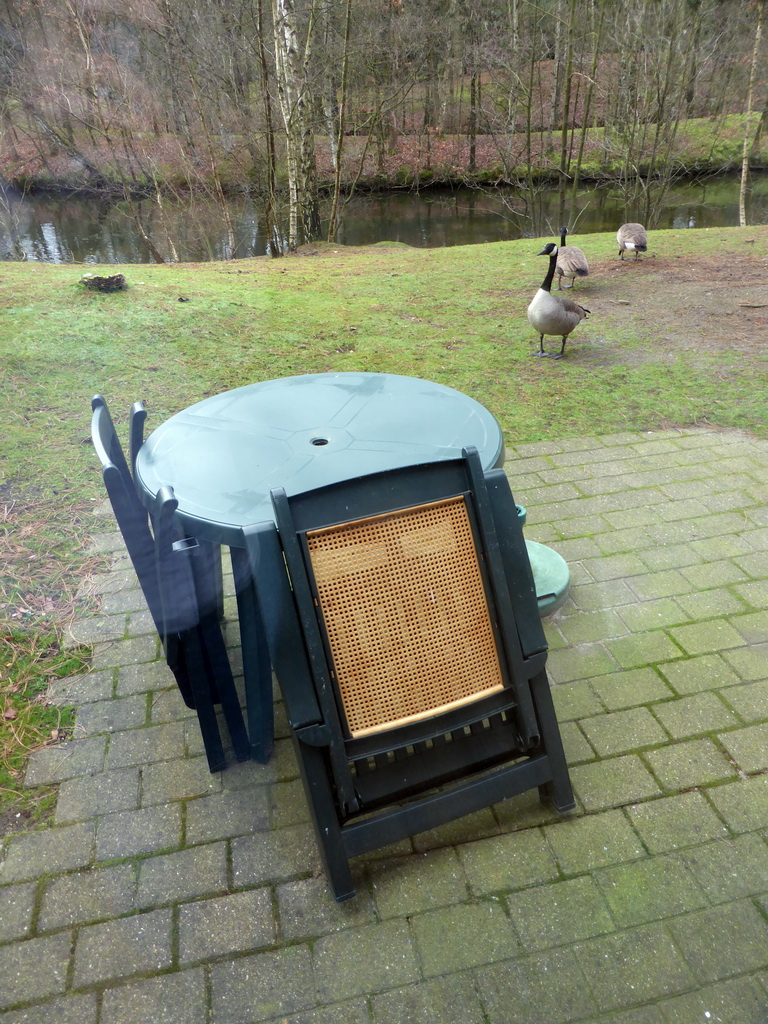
(546,284)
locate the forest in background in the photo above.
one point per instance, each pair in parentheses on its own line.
(293,97)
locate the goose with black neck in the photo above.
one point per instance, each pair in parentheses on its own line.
(553,314)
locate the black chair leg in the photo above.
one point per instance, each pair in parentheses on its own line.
(201,694)
(257,667)
(558,791)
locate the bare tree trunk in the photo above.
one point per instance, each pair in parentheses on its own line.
(333,220)
(293,90)
(748,134)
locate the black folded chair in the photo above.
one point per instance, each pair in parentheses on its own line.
(164,563)
(407,643)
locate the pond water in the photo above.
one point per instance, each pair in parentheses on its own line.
(80,229)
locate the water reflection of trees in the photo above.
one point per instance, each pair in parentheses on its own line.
(189,228)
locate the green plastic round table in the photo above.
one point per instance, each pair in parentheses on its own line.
(223,455)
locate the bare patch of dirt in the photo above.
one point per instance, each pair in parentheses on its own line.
(702,304)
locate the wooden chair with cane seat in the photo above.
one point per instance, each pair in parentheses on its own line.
(407,643)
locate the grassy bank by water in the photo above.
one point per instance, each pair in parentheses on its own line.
(673,339)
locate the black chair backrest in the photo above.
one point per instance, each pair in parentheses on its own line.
(131,516)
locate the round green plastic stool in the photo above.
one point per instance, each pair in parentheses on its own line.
(551,574)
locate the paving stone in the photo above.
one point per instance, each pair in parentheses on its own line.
(111,715)
(177,998)
(452,998)
(631,688)
(753,627)
(45,853)
(274,856)
(364,960)
(665,583)
(559,913)
(649,890)
(576,700)
(623,731)
(307,909)
(287,804)
(353,1011)
(705,637)
(754,593)
(577,749)
(17,903)
(672,556)
(588,627)
(584,844)
(87,896)
(481,933)
(749,662)
(742,940)
(180,779)
(143,674)
(611,567)
(263,986)
(743,803)
(596,596)
(731,868)
(546,989)
(122,947)
(232,813)
(96,629)
(83,689)
(613,782)
(88,796)
(78,1009)
(137,653)
(735,1001)
(198,871)
(710,604)
(714,574)
(690,763)
(146,830)
(142,746)
(405,886)
(238,923)
(34,969)
(65,761)
(642,649)
(634,966)
(508,862)
(468,829)
(650,615)
(617,541)
(168,706)
(581,662)
(676,822)
(692,675)
(692,716)
(749,747)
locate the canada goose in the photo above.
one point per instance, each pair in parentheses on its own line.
(571,262)
(632,237)
(553,314)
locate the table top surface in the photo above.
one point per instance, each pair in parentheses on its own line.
(224,454)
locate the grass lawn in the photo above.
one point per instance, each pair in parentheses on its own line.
(654,353)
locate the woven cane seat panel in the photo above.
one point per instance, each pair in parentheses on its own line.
(405,611)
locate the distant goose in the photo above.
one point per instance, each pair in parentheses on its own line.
(553,314)
(571,262)
(633,238)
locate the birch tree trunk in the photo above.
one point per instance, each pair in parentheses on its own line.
(292,71)
(748,135)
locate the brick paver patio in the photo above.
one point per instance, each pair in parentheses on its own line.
(161,894)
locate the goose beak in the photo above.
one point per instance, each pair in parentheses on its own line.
(543,252)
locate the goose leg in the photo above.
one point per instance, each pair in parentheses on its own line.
(541,351)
